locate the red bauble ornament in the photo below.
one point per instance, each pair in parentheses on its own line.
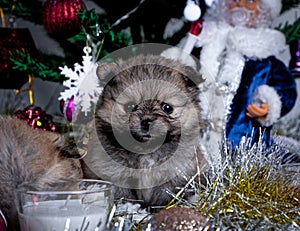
(10,41)
(60,17)
(36,118)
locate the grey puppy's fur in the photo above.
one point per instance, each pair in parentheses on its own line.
(147,123)
(31,159)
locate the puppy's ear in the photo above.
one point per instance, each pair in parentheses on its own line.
(105,72)
(192,76)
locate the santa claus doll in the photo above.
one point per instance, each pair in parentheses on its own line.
(248,86)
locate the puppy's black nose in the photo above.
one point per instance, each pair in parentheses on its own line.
(145,124)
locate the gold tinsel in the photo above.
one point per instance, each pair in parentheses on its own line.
(250,190)
(260,193)
(253,188)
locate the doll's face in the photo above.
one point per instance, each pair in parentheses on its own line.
(249,13)
(248,4)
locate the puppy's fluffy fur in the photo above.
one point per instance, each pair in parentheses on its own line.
(31,159)
(147,121)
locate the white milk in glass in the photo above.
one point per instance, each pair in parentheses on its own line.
(54,216)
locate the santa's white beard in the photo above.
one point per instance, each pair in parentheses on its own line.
(239,16)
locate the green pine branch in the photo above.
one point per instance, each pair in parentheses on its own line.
(99,28)
(23,62)
(291,31)
(93,25)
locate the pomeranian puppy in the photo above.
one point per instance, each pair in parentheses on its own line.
(147,126)
(34,160)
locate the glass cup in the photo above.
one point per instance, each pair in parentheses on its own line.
(84,209)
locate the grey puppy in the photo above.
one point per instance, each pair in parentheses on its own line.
(147,124)
(31,159)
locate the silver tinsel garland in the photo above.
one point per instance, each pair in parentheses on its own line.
(254,188)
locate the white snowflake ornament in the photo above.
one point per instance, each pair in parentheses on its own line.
(82,83)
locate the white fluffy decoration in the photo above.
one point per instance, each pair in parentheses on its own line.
(178,54)
(210,2)
(82,83)
(268,95)
(173,26)
(192,11)
(274,6)
(216,37)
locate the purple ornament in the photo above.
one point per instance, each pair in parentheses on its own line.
(3,224)
(295,57)
(69,109)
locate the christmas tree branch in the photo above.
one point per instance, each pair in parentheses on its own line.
(99,28)
(291,31)
(22,61)
(93,27)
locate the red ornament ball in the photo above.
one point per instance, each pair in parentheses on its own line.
(60,17)
(36,118)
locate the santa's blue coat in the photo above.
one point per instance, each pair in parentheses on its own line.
(257,72)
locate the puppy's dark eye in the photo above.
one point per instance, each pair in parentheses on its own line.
(167,108)
(129,107)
